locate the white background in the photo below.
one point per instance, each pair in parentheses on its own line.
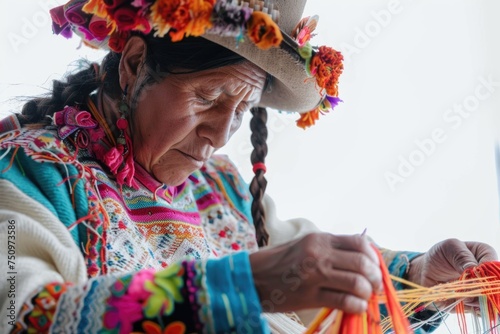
(408,65)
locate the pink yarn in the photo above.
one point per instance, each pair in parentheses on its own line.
(114,158)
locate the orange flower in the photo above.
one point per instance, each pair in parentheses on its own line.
(201,12)
(308,119)
(167,14)
(263,31)
(96,7)
(182,17)
(327,66)
(175,327)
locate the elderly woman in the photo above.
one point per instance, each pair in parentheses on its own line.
(125,220)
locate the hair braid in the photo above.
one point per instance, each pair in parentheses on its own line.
(259,182)
(73,91)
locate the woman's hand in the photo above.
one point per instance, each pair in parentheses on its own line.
(318,270)
(447,260)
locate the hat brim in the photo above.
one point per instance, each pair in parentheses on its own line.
(291,89)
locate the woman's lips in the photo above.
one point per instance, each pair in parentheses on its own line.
(194,159)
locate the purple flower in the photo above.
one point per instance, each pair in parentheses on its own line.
(333,100)
(60,24)
(229,19)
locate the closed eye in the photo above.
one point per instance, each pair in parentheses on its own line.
(206,101)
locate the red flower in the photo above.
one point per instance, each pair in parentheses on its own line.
(118,40)
(99,27)
(126,18)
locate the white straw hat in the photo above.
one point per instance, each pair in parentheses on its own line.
(268,33)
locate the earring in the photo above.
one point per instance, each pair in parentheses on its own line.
(125,174)
(122,123)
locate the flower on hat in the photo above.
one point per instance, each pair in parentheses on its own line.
(118,40)
(110,23)
(324,64)
(99,27)
(181,18)
(95,7)
(304,30)
(96,20)
(229,19)
(263,31)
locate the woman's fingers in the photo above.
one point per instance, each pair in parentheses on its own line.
(482,252)
(342,301)
(357,243)
(348,282)
(318,270)
(349,267)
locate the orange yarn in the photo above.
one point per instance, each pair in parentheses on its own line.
(368,322)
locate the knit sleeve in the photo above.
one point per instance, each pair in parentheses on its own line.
(48,289)
(214,296)
(398,264)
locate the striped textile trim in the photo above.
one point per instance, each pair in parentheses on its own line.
(9,123)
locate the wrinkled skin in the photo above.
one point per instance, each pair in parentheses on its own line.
(324,270)
(318,270)
(446,261)
(179,121)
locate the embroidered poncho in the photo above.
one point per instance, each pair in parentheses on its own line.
(150,253)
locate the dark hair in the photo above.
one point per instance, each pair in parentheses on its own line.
(259,182)
(163,58)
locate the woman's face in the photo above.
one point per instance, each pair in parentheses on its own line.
(180,121)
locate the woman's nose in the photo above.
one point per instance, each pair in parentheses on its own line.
(218,128)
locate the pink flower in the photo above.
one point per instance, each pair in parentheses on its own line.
(124,311)
(75,15)
(136,287)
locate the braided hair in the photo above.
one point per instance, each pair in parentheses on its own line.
(259,182)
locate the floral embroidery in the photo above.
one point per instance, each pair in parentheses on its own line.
(39,313)
(164,290)
(126,302)
(175,327)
